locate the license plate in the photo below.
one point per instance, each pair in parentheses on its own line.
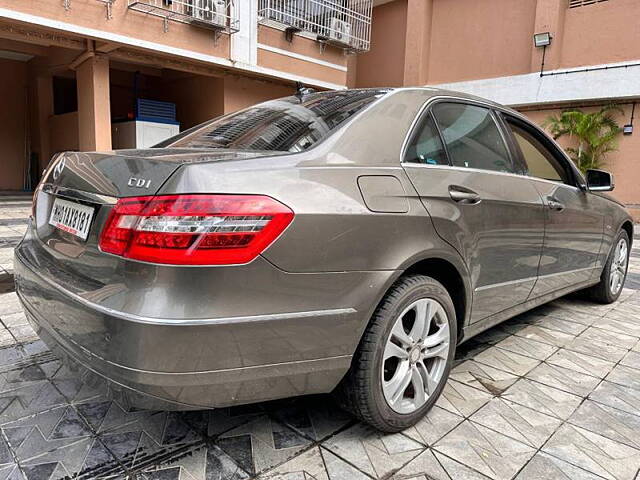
(71,217)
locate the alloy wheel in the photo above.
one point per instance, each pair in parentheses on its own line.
(415,355)
(618,266)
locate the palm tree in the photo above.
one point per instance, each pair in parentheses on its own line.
(594,132)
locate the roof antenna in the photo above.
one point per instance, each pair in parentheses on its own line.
(301,90)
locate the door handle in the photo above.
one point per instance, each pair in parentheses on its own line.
(463,195)
(553,204)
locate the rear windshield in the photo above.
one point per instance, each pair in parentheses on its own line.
(289,124)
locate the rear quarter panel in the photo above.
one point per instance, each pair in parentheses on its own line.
(333,230)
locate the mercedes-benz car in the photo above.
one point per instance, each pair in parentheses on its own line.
(342,241)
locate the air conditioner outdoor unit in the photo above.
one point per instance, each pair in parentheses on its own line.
(340,31)
(209,12)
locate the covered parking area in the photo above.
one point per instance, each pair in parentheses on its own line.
(62,93)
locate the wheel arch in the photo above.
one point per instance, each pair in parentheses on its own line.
(628,227)
(443,264)
(445,272)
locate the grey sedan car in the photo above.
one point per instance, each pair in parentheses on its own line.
(343,241)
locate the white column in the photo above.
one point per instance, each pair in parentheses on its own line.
(244,43)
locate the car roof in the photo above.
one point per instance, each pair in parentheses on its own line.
(441,92)
(437,92)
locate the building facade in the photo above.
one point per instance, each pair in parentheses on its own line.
(486,47)
(74,73)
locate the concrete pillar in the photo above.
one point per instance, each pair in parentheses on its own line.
(41,96)
(550,16)
(417,41)
(94,108)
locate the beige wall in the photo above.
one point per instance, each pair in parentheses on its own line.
(241,92)
(63,132)
(473,39)
(13,122)
(383,65)
(301,67)
(301,46)
(606,32)
(479,39)
(197,98)
(623,163)
(200,98)
(457,40)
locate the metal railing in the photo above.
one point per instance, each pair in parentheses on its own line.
(583,3)
(344,23)
(109,6)
(214,14)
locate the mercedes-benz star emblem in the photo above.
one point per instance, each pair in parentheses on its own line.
(57,170)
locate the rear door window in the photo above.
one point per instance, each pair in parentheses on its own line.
(472,137)
(425,146)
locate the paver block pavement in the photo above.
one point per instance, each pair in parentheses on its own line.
(552,393)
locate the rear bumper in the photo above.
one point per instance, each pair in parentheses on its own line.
(192,390)
(192,363)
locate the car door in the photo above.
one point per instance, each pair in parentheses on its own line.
(457,160)
(573,222)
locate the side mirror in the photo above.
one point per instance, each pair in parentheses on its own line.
(599,181)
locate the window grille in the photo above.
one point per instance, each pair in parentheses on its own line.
(217,15)
(344,23)
(583,3)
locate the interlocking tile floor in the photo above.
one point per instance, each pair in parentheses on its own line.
(553,393)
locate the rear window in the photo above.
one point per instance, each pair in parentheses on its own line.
(289,124)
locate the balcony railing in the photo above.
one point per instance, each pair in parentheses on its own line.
(218,15)
(344,23)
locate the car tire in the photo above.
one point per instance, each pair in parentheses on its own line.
(604,292)
(370,388)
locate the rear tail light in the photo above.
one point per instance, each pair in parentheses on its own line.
(194,229)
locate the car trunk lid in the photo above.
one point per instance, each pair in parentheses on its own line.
(79,190)
(129,173)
